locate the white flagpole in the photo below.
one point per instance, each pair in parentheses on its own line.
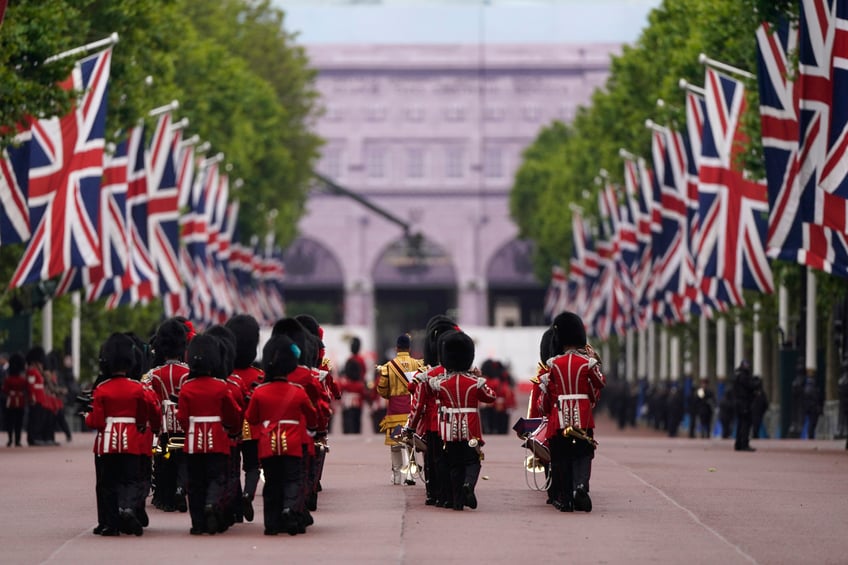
(652,358)
(111,40)
(686,85)
(703,346)
(757,364)
(783,313)
(664,376)
(75,334)
(630,346)
(721,349)
(642,355)
(718,65)
(674,358)
(738,343)
(810,346)
(169,107)
(47,325)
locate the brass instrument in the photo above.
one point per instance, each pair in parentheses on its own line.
(532,464)
(577,433)
(175,443)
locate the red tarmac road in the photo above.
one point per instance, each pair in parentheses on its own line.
(656,500)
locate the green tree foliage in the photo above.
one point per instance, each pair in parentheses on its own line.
(240,78)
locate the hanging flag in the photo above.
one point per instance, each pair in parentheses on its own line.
(14,190)
(555,296)
(733,209)
(66,165)
(162,207)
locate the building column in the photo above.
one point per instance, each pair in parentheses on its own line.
(472,303)
(359,304)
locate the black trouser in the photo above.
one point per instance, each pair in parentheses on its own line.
(14,424)
(352,421)
(463,462)
(36,419)
(571,465)
(233,494)
(117,478)
(62,423)
(743,429)
(250,466)
(207,480)
(145,476)
(165,467)
(282,490)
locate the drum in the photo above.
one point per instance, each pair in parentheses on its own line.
(535,442)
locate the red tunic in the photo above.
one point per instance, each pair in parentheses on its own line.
(119,409)
(424,412)
(206,410)
(534,404)
(459,395)
(165,381)
(282,412)
(251,377)
(35,387)
(574,385)
(154,419)
(15,390)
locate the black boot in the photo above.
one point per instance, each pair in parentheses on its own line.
(247,507)
(470,498)
(129,522)
(582,502)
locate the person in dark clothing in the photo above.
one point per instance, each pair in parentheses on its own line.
(744,386)
(702,405)
(726,412)
(759,407)
(813,405)
(674,408)
(15,398)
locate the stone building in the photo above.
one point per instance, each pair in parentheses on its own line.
(434,135)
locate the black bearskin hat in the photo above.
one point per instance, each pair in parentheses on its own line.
(490,369)
(569,330)
(546,345)
(117,355)
(228,349)
(204,355)
(355,345)
(170,340)
(141,362)
(17,364)
(36,355)
(437,325)
(279,357)
(246,329)
(297,333)
(457,351)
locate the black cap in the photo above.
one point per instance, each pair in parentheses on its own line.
(569,330)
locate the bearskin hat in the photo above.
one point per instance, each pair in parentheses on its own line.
(141,361)
(246,329)
(404,342)
(457,351)
(489,369)
(297,333)
(117,355)
(170,339)
(17,364)
(546,345)
(36,355)
(355,345)
(437,325)
(279,357)
(569,330)
(227,339)
(204,355)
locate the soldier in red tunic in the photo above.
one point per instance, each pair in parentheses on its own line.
(206,411)
(39,410)
(169,345)
(424,415)
(246,329)
(283,413)
(571,389)
(15,391)
(118,412)
(460,392)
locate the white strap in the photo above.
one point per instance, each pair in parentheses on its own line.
(119,420)
(573,397)
(459,410)
(293,422)
(203,419)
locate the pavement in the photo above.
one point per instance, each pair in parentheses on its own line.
(656,500)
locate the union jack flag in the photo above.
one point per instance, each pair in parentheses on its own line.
(780,134)
(14,183)
(66,165)
(583,268)
(733,210)
(638,187)
(823,134)
(163,230)
(555,297)
(105,279)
